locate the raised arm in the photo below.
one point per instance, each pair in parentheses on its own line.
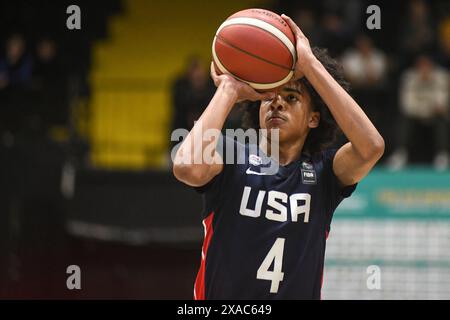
(355,159)
(197,171)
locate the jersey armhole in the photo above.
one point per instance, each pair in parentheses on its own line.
(343,191)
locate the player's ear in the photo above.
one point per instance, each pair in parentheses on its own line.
(314,119)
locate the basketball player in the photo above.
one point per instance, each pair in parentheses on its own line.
(265,234)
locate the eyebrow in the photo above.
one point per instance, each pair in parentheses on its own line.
(292,90)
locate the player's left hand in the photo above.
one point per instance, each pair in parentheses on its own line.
(304,52)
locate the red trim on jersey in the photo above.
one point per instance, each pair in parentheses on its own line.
(199,287)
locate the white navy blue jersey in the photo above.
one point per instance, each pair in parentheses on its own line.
(265,234)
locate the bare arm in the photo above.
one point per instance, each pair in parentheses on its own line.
(198,172)
(355,159)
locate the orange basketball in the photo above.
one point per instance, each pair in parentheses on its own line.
(255,46)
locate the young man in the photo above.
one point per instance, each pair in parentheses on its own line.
(265,234)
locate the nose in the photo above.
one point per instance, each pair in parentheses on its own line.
(278,103)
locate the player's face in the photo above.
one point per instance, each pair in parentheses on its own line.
(290,112)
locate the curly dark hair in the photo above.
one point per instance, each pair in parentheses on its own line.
(328,130)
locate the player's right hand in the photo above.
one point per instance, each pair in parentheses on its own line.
(242,90)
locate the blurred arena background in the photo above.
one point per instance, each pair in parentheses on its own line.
(85,124)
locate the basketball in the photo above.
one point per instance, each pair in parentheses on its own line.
(255,46)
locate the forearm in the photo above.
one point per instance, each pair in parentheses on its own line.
(356,126)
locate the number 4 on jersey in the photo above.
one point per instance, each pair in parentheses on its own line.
(276,276)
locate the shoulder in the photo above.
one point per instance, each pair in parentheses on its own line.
(232,149)
(334,186)
(324,157)
(324,162)
(234,155)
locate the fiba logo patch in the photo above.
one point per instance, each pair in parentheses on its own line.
(308,173)
(307,165)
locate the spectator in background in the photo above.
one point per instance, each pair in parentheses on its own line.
(191,94)
(350,12)
(15,66)
(49,85)
(366,68)
(15,80)
(341,20)
(333,34)
(424,99)
(47,69)
(417,32)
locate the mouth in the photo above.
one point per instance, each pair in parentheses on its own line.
(276,118)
